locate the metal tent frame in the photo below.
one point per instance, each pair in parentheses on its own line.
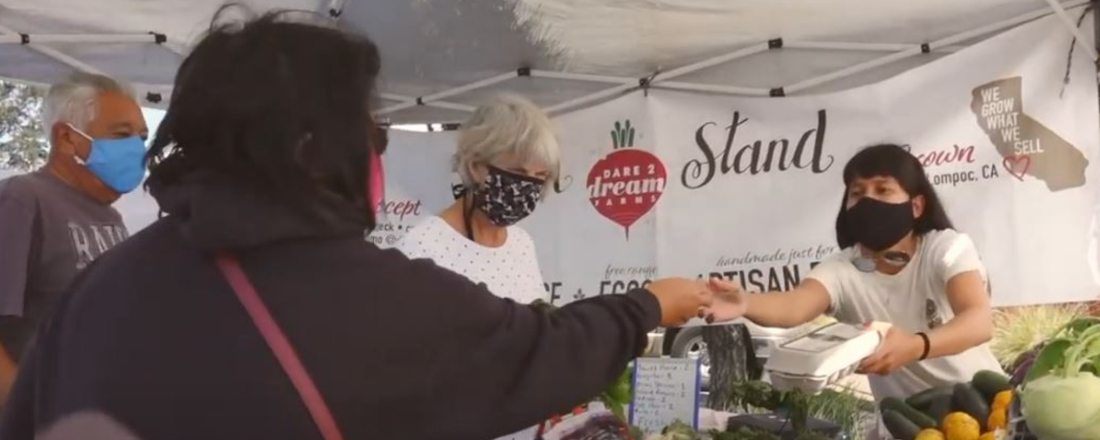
(158,93)
(664,80)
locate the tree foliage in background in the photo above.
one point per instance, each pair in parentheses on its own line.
(22,143)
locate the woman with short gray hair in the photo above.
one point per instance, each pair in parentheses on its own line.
(507,158)
(508,137)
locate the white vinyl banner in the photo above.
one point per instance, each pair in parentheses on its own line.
(671,183)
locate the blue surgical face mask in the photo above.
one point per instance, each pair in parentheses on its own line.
(119,163)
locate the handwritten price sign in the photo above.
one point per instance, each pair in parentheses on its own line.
(665,390)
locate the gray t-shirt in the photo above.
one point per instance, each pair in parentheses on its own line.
(49,231)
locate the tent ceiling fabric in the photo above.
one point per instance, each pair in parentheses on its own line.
(643,35)
(430,46)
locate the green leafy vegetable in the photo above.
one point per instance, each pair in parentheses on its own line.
(842,407)
(617,396)
(1081,324)
(1051,358)
(679,430)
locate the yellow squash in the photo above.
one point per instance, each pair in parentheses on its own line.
(1002,400)
(930,434)
(961,426)
(998,419)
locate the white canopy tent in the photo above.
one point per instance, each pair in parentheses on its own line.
(441,57)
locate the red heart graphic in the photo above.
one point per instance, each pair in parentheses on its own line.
(625,184)
(1013,165)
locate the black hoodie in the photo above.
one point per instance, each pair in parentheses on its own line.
(151,339)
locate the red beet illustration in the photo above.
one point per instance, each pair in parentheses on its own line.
(625,185)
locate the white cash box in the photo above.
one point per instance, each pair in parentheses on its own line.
(820,358)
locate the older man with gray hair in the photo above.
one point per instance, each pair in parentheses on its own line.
(58,219)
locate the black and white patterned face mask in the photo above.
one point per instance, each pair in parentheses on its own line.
(506,197)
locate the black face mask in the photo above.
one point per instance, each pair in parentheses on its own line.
(878,225)
(506,198)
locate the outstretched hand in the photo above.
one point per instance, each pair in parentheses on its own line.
(681,299)
(729,302)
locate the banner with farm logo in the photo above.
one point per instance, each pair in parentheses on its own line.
(676,183)
(596,235)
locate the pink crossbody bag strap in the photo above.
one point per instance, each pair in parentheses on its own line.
(280,346)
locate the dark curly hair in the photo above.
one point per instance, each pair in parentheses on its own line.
(283,101)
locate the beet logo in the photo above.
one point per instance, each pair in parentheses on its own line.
(626,184)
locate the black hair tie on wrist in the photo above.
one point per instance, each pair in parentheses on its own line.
(927,345)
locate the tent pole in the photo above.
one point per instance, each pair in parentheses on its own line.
(1096,29)
(176,48)
(865,47)
(712,88)
(659,77)
(452,106)
(721,59)
(152,93)
(63,58)
(606,93)
(16,38)
(812,45)
(664,83)
(1083,40)
(1095,22)
(550,74)
(13,37)
(633,82)
(424,100)
(439,104)
(849,71)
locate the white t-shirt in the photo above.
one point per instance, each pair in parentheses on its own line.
(509,271)
(915,300)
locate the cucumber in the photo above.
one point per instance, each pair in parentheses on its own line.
(989,383)
(918,418)
(940,407)
(970,401)
(900,427)
(923,400)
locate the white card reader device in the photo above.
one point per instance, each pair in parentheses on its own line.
(820,358)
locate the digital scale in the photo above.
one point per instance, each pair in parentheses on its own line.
(820,358)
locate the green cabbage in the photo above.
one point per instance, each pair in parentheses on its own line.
(1061,397)
(1063,408)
